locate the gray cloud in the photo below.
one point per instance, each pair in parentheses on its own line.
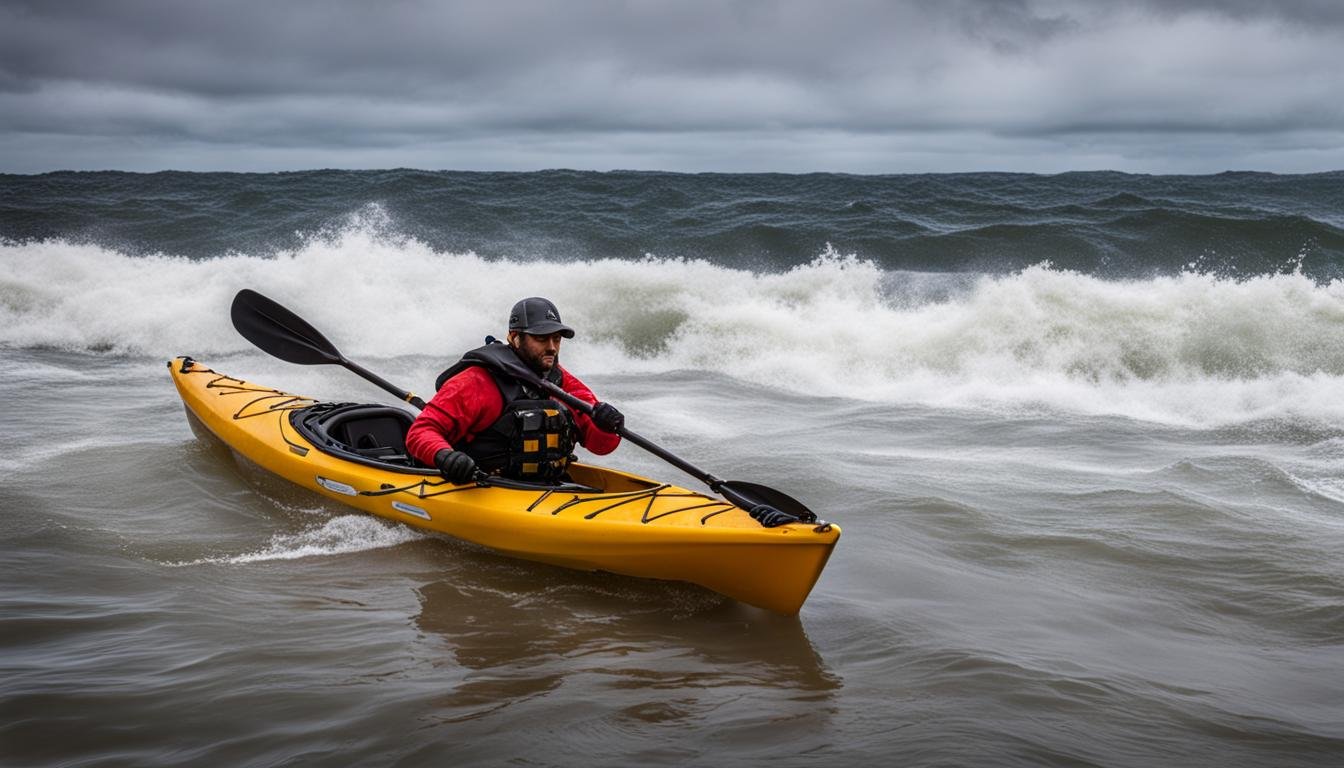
(865,86)
(1303,12)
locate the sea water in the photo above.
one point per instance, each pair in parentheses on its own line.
(1084,434)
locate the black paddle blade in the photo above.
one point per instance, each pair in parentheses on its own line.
(279,332)
(767,505)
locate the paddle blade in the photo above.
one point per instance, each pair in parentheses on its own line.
(279,332)
(761,500)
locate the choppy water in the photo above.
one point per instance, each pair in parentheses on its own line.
(1084,433)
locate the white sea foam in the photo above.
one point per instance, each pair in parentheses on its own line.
(1192,349)
(338,536)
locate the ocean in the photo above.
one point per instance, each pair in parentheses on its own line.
(1084,434)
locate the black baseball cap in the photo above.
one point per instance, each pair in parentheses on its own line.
(538,317)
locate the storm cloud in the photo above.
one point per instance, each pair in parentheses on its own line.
(863,87)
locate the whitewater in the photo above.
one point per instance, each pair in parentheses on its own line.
(1191,349)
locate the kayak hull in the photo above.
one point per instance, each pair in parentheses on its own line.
(609,521)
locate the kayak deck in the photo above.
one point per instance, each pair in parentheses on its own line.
(603,519)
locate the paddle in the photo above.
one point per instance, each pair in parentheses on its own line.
(281,333)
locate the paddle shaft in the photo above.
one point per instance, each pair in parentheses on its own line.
(374,378)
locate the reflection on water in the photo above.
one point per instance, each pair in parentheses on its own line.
(656,651)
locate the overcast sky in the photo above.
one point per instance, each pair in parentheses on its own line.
(858,86)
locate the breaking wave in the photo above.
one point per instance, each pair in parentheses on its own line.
(1193,348)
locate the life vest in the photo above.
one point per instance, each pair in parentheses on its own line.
(534,436)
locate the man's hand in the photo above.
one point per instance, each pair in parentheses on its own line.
(455,466)
(607,418)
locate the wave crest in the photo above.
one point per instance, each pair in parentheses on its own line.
(1192,347)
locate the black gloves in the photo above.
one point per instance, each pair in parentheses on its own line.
(607,418)
(455,466)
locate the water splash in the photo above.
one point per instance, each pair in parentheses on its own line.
(337,536)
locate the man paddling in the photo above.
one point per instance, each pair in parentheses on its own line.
(483,419)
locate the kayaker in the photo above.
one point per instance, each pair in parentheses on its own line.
(480,419)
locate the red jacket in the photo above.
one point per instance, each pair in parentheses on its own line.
(470,402)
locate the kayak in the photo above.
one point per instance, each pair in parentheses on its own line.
(597,519)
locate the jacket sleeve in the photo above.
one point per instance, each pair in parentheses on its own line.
(467,404)
(592,438)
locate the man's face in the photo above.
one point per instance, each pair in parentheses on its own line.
(541,353)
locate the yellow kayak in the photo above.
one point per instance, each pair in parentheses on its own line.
(600,520)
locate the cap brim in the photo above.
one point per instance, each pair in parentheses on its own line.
(547,327)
